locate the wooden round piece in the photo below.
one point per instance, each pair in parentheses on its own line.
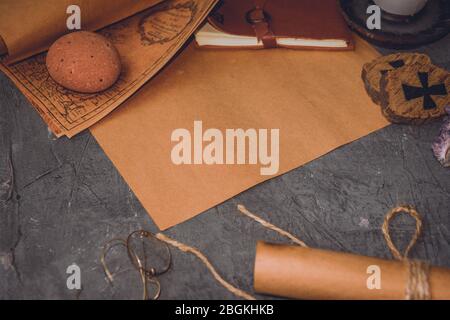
(373,71)
(415,93)
(84,62)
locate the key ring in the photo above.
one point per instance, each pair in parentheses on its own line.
(146,279)
(106,248)
(149,272)
(147,275)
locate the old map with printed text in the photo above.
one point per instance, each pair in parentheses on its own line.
(146,42)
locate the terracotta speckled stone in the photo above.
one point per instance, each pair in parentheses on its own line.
(84,61)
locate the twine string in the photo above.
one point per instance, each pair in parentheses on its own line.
(185,248)
(270,226)
(386,231)
(417,286)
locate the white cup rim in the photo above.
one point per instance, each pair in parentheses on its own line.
(401,7)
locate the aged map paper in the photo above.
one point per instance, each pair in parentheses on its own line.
(145,41)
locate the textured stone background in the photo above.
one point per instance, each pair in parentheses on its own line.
(61,200)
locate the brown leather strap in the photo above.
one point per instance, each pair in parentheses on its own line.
(259,20)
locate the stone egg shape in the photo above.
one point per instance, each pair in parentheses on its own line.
(84,61)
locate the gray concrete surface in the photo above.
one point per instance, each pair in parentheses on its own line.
(61,200)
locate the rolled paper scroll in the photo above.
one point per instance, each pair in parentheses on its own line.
(28,27)
(305,273)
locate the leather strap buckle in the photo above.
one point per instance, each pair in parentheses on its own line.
(260,21)
(257,15)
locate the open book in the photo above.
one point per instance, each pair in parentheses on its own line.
(290,23)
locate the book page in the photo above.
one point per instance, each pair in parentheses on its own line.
(210,36)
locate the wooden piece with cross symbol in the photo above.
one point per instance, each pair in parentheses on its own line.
(426,91)
(415,93)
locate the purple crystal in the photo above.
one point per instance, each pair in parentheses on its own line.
(441,146)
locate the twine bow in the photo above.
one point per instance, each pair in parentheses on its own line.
(417,287)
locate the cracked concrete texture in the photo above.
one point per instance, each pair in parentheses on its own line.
(61,200)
